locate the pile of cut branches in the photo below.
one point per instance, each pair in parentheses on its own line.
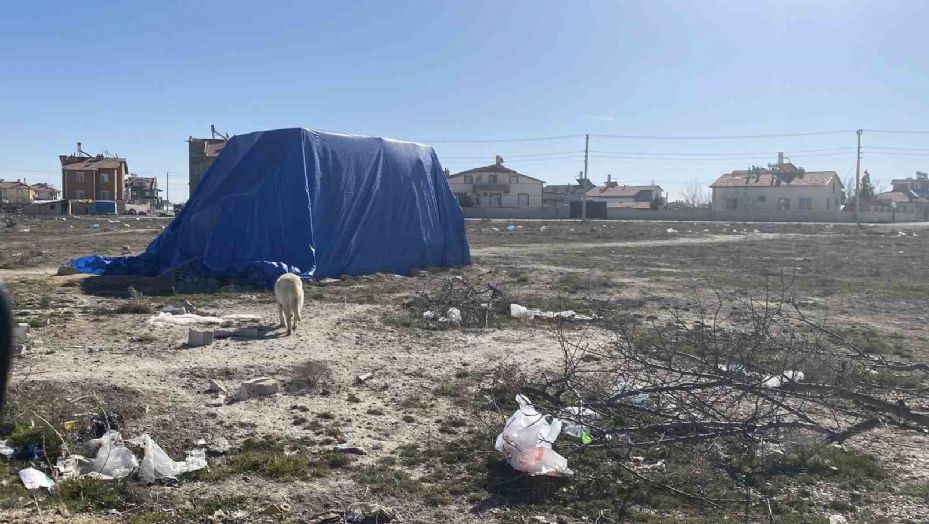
(737,382)
(480,305)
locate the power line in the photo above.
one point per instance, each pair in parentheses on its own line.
(896,132)
(519,155)
(723,137)
(501,140)
(747,153)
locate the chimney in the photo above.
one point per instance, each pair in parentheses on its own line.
(499,160)
(447,173)
(79,149)
(780,159)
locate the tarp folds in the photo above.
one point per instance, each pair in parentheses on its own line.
(311,203)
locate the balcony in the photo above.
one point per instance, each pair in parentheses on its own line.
(492,188)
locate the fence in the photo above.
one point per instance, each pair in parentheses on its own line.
(691,215)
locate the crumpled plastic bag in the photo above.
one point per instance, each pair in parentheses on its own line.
(35,479)
(157,465)
(113,459)
(526,442)
(577,420)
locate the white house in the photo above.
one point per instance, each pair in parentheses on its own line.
(496,186)
(626,196)
(782,188)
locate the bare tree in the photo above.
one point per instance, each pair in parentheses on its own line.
(695,194)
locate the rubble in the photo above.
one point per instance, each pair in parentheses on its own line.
(196,338)
(257,387)
(216,387)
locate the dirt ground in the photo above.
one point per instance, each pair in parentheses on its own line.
(91,352)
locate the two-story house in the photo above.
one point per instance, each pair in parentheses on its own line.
(626,196)
(496,186)
(781,188)
(143,190)
(15,192)
(44,191)
(86,177)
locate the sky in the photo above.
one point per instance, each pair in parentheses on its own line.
(475,79)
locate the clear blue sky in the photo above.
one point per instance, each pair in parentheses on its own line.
(138,78)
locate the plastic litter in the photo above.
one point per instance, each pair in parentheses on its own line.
(35,479)
(787,376)
(526,442)
(625,389)
(524,313)
(671,230)
(454,315)
(429,315)
(113,460)
(158,466)
(6,450)
(575,421)
(511,228)
(95,226)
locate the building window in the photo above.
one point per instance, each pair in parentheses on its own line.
(731,203)
(468,179)
(104,178)
(491,179)
(79,194)
(104,194)
(477,179)
(783,204)
(827,204)
(496,200)
(762,198)
(524,200)
(514,179)
(833,186)
(806,204)
(79,176)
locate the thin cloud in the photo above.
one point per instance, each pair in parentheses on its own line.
(603,118)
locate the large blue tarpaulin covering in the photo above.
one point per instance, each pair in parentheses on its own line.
(311,203)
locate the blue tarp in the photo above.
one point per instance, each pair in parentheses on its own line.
(311,203)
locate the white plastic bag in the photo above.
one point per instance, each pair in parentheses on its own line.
(157,465)
(113,460)
(526,442)
(35,479)
(454,315)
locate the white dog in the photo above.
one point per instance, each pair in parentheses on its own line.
(288,290)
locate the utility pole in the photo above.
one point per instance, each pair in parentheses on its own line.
(168,186)
(858,180)
(584,181)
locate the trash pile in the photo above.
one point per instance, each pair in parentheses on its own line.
(523,313)
(109,457)
(457,301)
